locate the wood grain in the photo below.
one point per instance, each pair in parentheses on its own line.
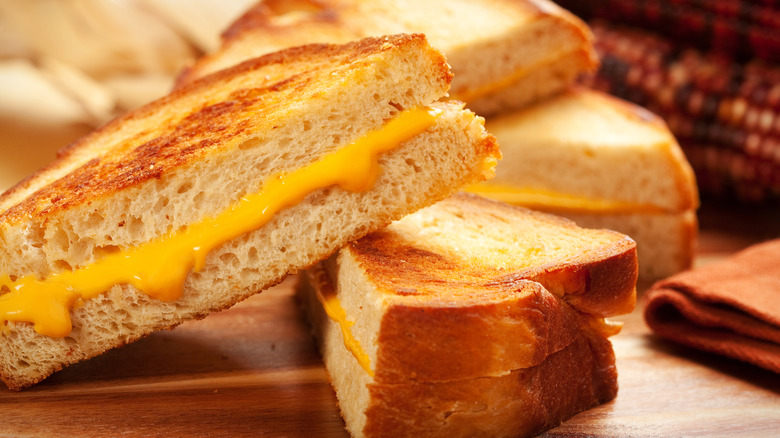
(253,371)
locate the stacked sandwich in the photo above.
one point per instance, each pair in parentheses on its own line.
(469,317)
(220,190)
(459,320)
(504,53)
(602,162)
(582,154)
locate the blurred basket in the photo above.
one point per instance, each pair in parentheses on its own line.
(723,103)
(742,28)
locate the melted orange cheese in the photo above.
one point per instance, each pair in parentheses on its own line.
(336,313)
(541,199)
(160,267)
(604,326)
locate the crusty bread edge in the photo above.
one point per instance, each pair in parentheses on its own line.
(484,154)
(521,402)
(602,288)
(669,258)
(16,212)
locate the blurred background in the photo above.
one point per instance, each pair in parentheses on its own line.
(68,66)
(711,68)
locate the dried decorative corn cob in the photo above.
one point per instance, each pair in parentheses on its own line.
(726,115)
(742,29)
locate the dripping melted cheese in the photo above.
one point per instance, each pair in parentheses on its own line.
(160,267)
(543,199)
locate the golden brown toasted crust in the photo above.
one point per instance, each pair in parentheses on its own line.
(600,281)
(261,19)
(522,403)
(227,283)
(313,123)
(331,12)
(168,134)
(599,286)
(458,345)
(666,242)
(261,15)
(525,48)
(427,341)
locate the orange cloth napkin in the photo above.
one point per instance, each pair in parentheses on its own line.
(731,307)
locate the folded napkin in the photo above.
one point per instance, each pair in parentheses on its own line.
(730,308)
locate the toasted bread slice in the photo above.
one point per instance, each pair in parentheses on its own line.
(220,190)
(604,163)
(504,53)
(470,303)
(666,242)
(522,403)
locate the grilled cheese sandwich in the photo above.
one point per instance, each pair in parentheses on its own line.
(223,188)
(160,267)
(446,321)
(604,163)
(504,53)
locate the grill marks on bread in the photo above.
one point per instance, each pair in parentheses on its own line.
(506,53)
(348,95)
(168,134)
(446,251)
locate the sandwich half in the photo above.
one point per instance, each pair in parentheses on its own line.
(220,190)
(470,318)
(504,53)
(604,163)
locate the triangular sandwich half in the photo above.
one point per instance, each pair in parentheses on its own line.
(471,318)
(221,189)
(504,53)
(604,163)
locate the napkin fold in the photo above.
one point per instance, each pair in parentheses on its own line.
(731,307)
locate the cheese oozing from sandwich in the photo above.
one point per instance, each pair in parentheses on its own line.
(160,267)
(329,300)
(541,199)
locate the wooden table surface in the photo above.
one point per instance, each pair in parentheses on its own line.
(253,370)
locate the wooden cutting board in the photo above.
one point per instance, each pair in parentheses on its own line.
(254,370)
